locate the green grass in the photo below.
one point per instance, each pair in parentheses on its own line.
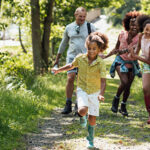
(24,99)
(21,109)
(128,131)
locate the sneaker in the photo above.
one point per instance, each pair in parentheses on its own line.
(68,108)
(83,121)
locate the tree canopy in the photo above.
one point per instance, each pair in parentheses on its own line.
(47,19)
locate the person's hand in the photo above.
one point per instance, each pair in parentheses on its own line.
(55,71)
(101,55)
(130,56)
(101,98)
(131,52)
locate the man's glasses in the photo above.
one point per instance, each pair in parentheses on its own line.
(77,29)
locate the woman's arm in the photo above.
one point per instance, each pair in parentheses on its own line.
(136,56)
(142,59)
(64,68)
(139,45)
(112,52)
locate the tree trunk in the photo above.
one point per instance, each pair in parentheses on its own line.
(36,36)
(20,39)
(46,33)
(53,46)
(0,4)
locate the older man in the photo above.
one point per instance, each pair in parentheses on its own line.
(74,36)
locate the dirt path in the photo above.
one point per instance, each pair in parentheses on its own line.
(52,136)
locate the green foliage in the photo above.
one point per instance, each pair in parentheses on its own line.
(3,25)
(16,71)
(55,38)
(19,12)
(64,10)
(24,98)
(57,31)
(3,20)
(21,108)
(117,15)
(16,11)
(145,6)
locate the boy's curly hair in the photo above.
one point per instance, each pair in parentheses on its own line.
(128,16)
(100,38)
(142,21)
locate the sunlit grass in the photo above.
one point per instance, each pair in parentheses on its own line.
(24,99)
(20,109)
(115,128)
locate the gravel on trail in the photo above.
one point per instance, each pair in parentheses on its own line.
(52,136)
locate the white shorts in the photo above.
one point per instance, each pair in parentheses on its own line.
(89,100)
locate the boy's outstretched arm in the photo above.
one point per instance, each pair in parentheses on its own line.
(64,68)
(103,87)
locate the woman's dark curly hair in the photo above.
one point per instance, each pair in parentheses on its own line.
(100,38)
(142,21)
(128,16)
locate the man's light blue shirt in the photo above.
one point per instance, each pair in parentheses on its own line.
(76,41)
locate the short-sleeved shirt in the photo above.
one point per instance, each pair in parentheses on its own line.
(124,45)
(89,75)
(75,41)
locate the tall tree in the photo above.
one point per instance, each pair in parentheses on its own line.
(41,46)
(46,33)
(20,39)
(36,36)
(0,4)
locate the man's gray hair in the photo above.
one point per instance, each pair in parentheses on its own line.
(79,9)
